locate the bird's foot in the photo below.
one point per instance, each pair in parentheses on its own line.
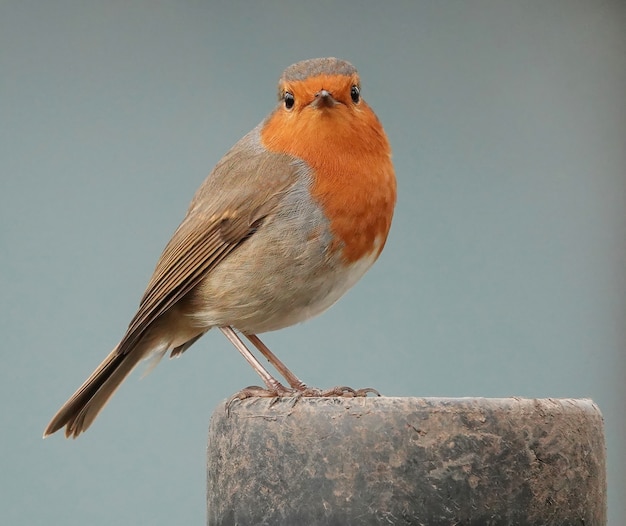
(253,391)
(340,391)
(277,393)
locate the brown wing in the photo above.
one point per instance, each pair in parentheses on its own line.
(243,189)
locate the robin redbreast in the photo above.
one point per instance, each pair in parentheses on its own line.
(289,219)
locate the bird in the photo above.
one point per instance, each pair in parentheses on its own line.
(288,220)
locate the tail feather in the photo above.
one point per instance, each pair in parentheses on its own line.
(79,412)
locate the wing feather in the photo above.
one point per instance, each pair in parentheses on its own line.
(216,224)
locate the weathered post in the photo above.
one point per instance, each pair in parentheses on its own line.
(408,461)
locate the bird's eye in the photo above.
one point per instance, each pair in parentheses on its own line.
(289,100)
(355,93)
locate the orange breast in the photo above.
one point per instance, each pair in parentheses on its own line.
(354,179)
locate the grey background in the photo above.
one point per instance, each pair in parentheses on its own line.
(505,271)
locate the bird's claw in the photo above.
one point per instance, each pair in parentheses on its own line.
(254,391)
(339,391)
(276,394)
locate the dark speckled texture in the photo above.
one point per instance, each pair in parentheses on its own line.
(417,461)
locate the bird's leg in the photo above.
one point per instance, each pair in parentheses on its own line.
(274,387)
(299,385)
(293,380)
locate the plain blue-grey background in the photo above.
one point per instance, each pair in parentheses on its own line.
(504,274)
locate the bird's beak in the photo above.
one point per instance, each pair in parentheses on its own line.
(323,99)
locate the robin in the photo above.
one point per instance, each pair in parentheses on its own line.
(289,219)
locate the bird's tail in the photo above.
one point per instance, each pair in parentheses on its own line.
(79,412)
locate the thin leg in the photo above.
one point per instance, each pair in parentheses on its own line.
(299,385)
(293,380)
(272,384)
(274,388)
